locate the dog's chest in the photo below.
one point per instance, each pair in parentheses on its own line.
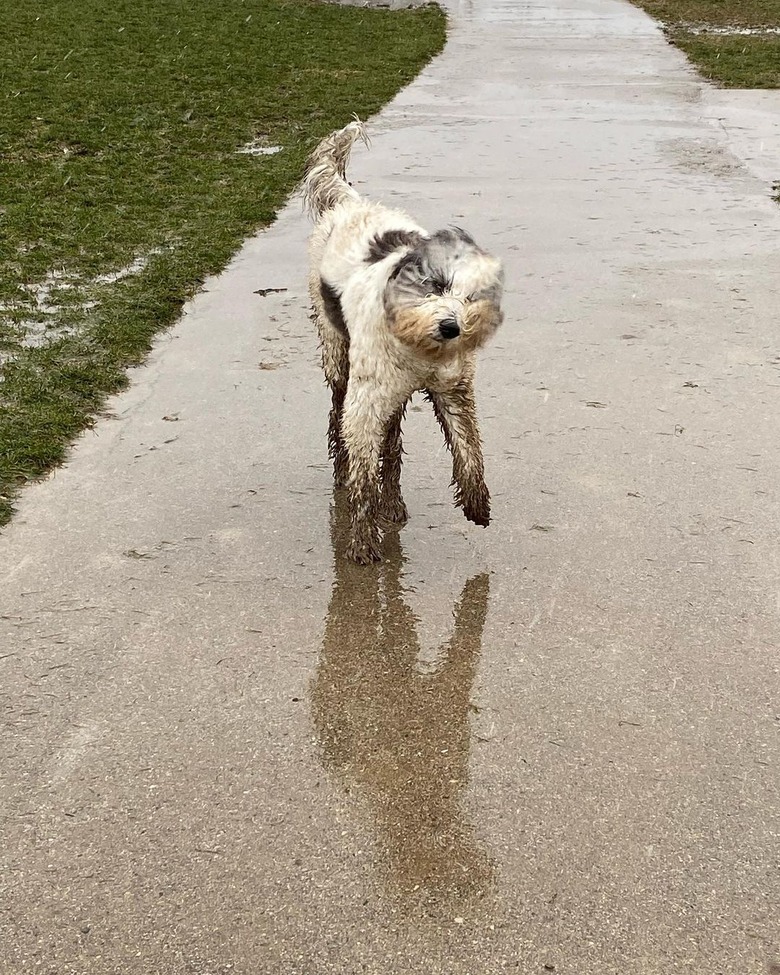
(438,377)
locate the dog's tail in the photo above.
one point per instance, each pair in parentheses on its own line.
(325,183)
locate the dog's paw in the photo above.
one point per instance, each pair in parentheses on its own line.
(476,508)
(478,517)
(393,513)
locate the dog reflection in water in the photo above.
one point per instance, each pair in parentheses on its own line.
(398,738)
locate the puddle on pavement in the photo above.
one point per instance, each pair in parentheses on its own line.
(397,736)
(708,156)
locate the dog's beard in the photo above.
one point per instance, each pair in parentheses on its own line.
(418,326)
(482,318)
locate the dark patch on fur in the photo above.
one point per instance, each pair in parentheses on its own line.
(449,237)
(383,245)
(464,236)
(332,302)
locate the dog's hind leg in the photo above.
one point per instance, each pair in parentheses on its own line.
(393,509)
(456,412)
(368,409)
(334,344)
(335,360)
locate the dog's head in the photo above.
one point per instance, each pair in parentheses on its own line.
(444,296)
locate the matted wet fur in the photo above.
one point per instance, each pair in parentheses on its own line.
(398,310)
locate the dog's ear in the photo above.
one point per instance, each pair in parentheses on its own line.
(411,266)
(464,236)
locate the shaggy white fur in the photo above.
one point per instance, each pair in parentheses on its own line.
(398,310)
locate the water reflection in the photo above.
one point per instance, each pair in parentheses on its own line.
(398,737)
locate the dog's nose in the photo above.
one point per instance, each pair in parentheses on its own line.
(449,329)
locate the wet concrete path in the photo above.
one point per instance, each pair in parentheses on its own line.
(548,746)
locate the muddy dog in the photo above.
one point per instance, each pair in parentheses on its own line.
(398,310)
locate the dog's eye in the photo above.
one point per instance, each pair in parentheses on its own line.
(436,287)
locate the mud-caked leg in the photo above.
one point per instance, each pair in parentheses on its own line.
(367,412)
(336,448)
(456,412)
(393,509)
(334,342)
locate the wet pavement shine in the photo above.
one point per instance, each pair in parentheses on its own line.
(547,746)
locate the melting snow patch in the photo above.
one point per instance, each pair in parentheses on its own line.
(43,328)
(257,147)
(134,267)
(41,294)
(728,31)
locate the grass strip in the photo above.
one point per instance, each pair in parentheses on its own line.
(733,61)
(121,186)
(716,13)
(729,59)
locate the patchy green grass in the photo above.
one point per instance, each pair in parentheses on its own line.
(716,13)
(734,61)
(730,59)
(120,182)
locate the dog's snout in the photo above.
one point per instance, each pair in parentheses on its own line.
(449,328)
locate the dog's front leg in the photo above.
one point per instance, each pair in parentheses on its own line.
(367,412)
(456,412)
